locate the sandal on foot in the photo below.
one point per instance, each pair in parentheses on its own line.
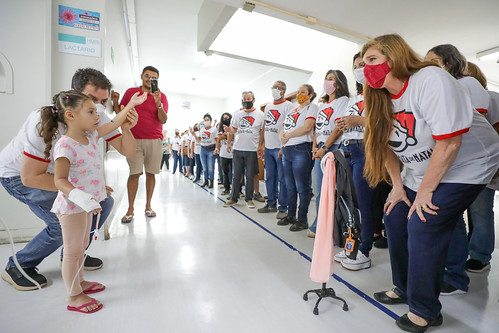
(79,308)
(90,289)
(150,213)
(127,219)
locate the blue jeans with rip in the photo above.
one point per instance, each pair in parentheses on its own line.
(364,193)
(419,251)
(297,164)
(40,202)
(318,184)
(208,161)
(274,180)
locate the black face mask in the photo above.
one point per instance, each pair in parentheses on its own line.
(176,133)
(248,105)
(195,129)
(226,121)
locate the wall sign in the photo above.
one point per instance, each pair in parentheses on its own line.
(79,45)
(79,18)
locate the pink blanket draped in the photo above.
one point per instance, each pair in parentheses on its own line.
(323,255)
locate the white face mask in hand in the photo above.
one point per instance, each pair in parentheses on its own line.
(359,75)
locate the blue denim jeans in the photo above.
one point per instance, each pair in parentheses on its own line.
(40,202)
(418,251)
(177,160)
(481,214)
(297,164)
(199,167)
(318,184)
(274,180)
(208,161)
(357,160)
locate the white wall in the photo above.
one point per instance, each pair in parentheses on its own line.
(26,43)
(181,118)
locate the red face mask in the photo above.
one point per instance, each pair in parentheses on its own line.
(376,74)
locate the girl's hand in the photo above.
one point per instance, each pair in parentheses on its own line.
(397,194)
(279,154)
(422,203)
(97,211)
(109,190)
(136,99)
(284,138)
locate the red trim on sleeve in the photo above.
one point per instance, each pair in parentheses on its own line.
(450,135)
(114,137)
(310,118)
(36,158)
(483,111)
(401,91)
(337,119)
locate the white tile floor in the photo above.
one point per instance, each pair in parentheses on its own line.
(199,267)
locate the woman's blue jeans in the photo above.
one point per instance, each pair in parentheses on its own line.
(297,164)
(274,180)
(208,161)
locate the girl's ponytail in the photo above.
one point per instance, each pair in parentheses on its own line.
(53,114)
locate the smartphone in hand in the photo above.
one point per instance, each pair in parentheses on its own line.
(154,85)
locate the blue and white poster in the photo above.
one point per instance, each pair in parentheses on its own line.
(80,45)
(79,18)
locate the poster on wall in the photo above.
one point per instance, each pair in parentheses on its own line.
(79,18)
(80,45)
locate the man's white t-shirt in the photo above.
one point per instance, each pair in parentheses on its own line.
(249,125)
(175,143)
(326,116)
(274,119)
(296,119)
(355,108)
(433,106)
(29,143)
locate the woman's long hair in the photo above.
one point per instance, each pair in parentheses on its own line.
(52,115)
(341,85)
(453,60)
(221,122)
(379,108)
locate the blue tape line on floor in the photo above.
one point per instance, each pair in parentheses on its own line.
(336,277)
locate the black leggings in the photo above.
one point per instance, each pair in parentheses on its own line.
(165,159)
(227,170)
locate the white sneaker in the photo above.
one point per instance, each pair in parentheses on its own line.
(340,256)
(361,262)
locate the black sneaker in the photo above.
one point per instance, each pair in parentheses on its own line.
(298,226)
(380,242)
(13,276)
(476,266)
(449,290)
(286,220)
(91,263)
(267,209)
(225,192)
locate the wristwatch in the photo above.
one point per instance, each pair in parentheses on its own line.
(324,147)
(160,106)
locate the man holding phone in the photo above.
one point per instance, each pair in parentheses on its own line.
(148,134)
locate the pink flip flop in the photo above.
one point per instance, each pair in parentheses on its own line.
(90,289)
(79,308)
